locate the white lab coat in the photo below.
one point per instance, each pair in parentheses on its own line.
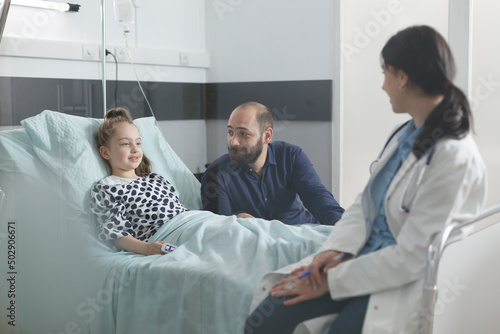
(452,188)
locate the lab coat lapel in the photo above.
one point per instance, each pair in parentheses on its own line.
(403,171)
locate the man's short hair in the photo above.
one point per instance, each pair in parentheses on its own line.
(264,117)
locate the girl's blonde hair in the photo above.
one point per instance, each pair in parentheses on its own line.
(105,132)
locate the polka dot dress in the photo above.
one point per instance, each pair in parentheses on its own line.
(138,208)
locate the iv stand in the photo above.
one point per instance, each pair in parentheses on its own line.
(3,16)
(103,54)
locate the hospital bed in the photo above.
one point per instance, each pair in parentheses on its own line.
(60,279)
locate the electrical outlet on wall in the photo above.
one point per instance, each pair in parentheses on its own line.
(90,52)
(184,59)
(121,54)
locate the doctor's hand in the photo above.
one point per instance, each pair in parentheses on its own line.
(319,266)
(300,288)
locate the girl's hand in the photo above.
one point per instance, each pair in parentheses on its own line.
(154,248)
(301,288)
(131,244)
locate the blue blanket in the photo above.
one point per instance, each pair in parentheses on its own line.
(207,283)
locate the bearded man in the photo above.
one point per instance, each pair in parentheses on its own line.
(261,179)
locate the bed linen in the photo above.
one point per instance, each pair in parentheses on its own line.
(206,285)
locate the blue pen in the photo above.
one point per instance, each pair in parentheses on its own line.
(335,258)
(305,274)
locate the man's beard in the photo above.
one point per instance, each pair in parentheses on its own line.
(243,155)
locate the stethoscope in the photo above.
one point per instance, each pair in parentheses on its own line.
(413,184)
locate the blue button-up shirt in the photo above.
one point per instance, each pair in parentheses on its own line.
(230,188)
(381,235)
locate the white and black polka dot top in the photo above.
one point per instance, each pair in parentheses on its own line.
(133,207)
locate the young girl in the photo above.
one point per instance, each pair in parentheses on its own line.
(132,203)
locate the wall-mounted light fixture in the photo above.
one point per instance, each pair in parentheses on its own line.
(53,5)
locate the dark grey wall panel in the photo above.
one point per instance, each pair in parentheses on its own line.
(288,100)
(177,100)
(26,97)
(294,100)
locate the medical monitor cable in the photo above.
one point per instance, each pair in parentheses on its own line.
(116,76)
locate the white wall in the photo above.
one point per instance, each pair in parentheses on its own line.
(485,92)
(263,40)
(367,113)
(162,26)
(277,40)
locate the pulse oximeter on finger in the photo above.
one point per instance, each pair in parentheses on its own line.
(168,247)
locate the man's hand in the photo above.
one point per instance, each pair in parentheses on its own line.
(244,215)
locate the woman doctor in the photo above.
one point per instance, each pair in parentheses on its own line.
(370,270)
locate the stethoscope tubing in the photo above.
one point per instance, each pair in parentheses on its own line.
(405,207)
(405,204)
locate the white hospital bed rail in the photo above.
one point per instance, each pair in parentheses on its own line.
(2,195)
(457,232)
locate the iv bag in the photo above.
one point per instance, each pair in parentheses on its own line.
(124,14)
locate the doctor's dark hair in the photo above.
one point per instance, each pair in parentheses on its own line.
(105,132)
(423,54)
